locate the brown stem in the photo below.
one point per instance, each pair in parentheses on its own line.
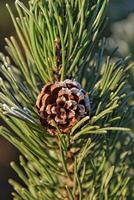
(58,59)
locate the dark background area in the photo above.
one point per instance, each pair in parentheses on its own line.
(119,31)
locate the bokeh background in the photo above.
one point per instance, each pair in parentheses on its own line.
(119,32)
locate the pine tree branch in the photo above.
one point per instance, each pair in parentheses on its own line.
(94,161)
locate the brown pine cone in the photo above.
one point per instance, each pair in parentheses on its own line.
(64,103)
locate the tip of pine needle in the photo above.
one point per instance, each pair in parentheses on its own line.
(16,1)
(6,39)
(12,164)
(10,181)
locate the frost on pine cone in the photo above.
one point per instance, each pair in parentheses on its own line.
(62,103)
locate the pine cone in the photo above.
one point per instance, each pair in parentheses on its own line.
(64,103)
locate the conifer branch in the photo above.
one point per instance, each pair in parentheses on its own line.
(93,160)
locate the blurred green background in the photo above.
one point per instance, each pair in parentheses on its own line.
(119,32)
